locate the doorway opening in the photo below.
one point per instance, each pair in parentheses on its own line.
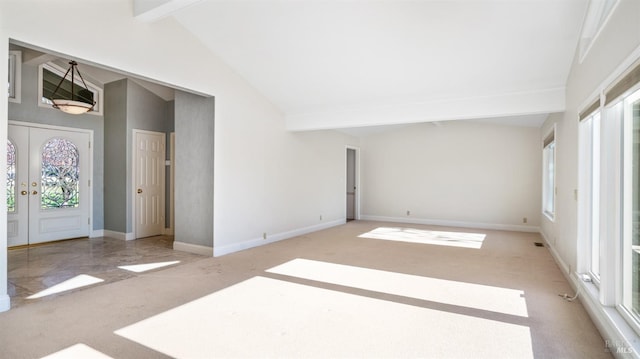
(352,179)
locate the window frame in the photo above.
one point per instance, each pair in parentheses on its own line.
(98,92)
(589,184)
(14,88)
(626,216)
(549,189)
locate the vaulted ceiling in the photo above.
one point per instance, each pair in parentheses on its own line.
(339,64)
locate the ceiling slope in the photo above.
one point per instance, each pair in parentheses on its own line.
(339,64)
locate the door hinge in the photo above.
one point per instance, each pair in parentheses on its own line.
(89,183)
(88,220)
(89,144)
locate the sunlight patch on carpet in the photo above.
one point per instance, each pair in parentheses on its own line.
(139,268)
(264,317)
(78,281)
(441,238)
(78,351)
(484,297)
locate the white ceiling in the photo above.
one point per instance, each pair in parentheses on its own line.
(322,57)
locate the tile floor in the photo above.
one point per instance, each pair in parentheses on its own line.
(36,268)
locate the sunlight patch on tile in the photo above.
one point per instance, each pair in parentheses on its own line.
(78,351)
(264,317)
(78,281)
(441,238)
(139,268)
(483,297)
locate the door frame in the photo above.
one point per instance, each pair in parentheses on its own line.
(134,167)
(91,232)
(357,192)
(172,183)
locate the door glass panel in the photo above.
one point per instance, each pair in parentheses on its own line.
(11,177)
(60,174)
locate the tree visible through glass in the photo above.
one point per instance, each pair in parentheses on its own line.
(60,174)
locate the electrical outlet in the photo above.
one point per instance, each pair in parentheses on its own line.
(524,219)
(264,235)
(408,213)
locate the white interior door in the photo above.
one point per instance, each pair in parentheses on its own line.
(51,185)
(149,172)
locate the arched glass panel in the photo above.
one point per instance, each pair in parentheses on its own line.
(60,174)
(11,177)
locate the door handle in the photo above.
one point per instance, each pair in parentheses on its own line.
(24,193)
(139,190)
(34,192)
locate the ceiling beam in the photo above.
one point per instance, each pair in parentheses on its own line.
(379,114)
(153,10)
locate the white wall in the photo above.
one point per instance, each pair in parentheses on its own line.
(458,173)
(266,180)
(616,42)
(615,49)
(280,183)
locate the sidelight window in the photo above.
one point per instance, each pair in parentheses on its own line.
(11,177)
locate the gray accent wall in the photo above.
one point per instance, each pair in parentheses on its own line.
(29,111)
(170,122)
(129,106)
(194,127)
(115,165)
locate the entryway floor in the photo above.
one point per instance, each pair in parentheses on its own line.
(36,269)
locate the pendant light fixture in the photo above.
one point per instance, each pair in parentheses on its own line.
(73,105)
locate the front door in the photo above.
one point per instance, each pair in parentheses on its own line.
(149,169)
(47,184)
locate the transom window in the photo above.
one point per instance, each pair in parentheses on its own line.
(50,75)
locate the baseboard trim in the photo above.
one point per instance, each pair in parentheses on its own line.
(235,247)
(566,270)
(193,248)
(5,302)
(448,223)
(119,235)
(618,335)
(620,339)
(168,231)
